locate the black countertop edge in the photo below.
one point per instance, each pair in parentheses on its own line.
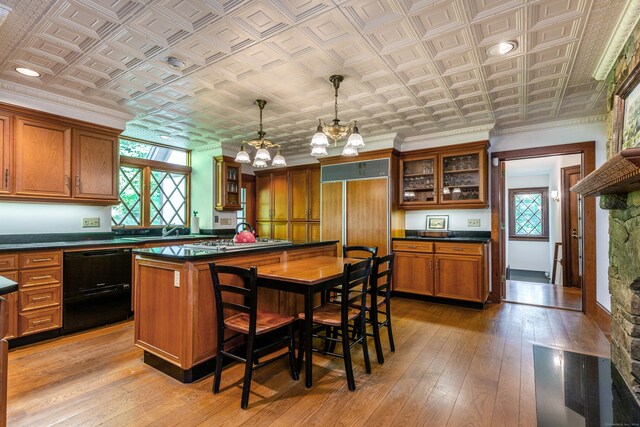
(7,286)
(446,239)
(179,253)
(454,233)
(123,241)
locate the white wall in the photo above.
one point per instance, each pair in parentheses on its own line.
(416,220)
(532,137)
(42,218)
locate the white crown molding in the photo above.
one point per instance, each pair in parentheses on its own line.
(626,23)
(458,136)
(560,123)
(24,96)
(211,147)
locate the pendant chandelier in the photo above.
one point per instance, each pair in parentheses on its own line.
(262,145)
(336,131)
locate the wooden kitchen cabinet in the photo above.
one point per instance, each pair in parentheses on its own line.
(42,158)
(455,178)
(455,270)
(272,200)
(49,158)
(95,158)
(304,187)
(228,184)
(5,154)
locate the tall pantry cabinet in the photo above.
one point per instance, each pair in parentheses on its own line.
(359,203)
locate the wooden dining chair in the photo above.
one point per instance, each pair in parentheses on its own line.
(358,251)
(236,302)
(379,296)
(346,318)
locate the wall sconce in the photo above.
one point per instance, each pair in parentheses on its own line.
(555,195)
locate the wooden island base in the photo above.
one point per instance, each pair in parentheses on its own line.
(175,317)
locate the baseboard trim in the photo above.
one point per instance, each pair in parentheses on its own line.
(602,317)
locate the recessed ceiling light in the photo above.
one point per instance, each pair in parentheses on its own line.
(27,72)
(502,48)
(165,137)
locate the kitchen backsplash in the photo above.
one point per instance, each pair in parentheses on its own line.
(36,218)
(416,220)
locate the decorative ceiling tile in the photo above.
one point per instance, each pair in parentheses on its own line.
(410,67)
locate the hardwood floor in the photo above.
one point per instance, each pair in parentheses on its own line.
(452,366)
(544,294)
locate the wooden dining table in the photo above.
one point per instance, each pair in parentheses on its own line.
(306,277)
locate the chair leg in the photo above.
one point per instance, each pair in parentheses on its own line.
(334,335)
(248,371)
(375,326)
(363,337)
(389,330)
(346,351)
(219,357)
(300,346)
(327,343)
(292,359)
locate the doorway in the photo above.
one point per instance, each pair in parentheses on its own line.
(539,213)
(586,235)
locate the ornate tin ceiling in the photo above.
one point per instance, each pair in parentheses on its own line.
(410,67)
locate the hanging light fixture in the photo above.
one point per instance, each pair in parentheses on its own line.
(262,145)
(336,131)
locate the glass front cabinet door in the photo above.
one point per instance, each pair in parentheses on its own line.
(451,177)
(228,184)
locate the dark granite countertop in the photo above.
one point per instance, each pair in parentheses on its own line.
(7,286)
(180,253)
(461,239)
(117,241)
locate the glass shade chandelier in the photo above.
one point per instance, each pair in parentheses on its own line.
(262,145)
(336,131)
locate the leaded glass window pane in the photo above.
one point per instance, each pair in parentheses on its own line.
(168,198)
(129,211)
(528,214)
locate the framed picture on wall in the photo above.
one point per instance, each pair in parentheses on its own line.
(626,113)
(437,222)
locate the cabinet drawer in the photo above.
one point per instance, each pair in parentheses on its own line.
(40,297)
(36,321)
(412,246)
(41,259)
(459,248)
(8,262)
(40,277)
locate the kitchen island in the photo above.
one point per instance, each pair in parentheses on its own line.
(174,301)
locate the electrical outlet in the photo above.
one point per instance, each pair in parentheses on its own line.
(90,222)
(475,222)
(225,221)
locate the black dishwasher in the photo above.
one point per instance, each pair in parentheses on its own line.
(97,288)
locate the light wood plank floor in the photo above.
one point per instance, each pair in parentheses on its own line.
(452,366)
(544,294)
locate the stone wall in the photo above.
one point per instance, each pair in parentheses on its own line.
(624,247)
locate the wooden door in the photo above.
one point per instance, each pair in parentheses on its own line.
(42,159)
(299,195)
(249,184)
(5,155)
(263,229)
(280,196)
(331,224)
(413,273)
(367,216)
(314,194)
(263,198)
(571,239)
(95,165)
(299,232)
(314,232)
(458,277)
(280,230)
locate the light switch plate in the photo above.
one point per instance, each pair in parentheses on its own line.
(90,222)
(225,221)
(176,279)
(475,222)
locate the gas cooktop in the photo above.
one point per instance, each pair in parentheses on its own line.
(228,245)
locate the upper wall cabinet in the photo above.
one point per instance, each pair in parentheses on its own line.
(49,158)
(42,159)
(453,176)
(228,184)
